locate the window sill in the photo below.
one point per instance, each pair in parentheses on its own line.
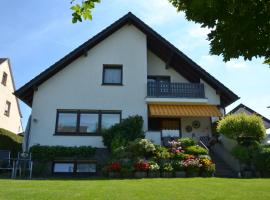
(112,84)
(77,134)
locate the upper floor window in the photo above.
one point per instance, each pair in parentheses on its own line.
(4,78)
(7,108)
(112,75)
(80,122)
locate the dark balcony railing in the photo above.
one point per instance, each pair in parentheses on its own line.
(175,90)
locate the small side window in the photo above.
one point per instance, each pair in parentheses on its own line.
(4,79)
(112,75)
(7,108)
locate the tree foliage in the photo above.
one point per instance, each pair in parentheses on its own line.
(238,28)
(242,127)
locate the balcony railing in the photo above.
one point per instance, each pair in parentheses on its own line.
(175,90)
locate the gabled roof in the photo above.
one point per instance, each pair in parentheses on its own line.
(13,83)
(249,110)
(2,60)
(156,43)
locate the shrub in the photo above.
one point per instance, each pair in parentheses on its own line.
(49,153)
(242,127)
(178,165)
(192,165)
(153,166)
(141,148)
(162,153)
(167,167)
(120,134)
(241,153)
(10,141)
(180,156)
(141,166)
(196,150)
(262,160)
(186,142)
(114,167)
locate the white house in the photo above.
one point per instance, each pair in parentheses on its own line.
(10,114)
(127,69)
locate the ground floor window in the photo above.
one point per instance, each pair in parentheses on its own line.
(74,167)
(85,122)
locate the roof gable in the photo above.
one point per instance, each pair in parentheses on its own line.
(156,43)
(249,110)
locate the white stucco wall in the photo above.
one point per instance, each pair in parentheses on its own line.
(203,130)
(156,66)
(13,121)
(78,86)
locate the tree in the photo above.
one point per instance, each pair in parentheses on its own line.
(243,128)
(238,28)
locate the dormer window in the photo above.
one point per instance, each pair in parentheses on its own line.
(112,75)
(4,79)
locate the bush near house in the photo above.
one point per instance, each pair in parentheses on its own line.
(10,141)
(143,155)
(249,132)
(49,153)
(120,134)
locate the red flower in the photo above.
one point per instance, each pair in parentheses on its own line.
(114,167)
(141,166)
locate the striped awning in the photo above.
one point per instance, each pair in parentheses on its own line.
(159,110)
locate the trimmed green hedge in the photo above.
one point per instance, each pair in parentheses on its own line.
(49,153)
(10,141)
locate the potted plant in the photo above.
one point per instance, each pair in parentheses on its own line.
(141,167)
(207,167)
(192,167)
(153,171)
(178,167)
(114,170)
(167,170)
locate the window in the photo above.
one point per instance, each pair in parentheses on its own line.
(109,120)
(75,167)
(4,78)
(112,75)
(81,122)
(67,122)
(7,108)
(63,168)
(86,168)
(89,122)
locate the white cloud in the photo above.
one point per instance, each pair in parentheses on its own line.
(236,64)
(197,32)
(153,12)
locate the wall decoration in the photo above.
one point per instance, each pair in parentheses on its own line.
(196,124)
(188,128)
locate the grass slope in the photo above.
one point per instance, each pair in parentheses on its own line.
(184,189)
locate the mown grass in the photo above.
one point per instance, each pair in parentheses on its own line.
(190,189)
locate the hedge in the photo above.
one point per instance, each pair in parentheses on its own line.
(10,141)
(50,153)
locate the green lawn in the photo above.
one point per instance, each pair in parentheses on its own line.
(190,189)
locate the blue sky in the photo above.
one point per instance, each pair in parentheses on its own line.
(35,34)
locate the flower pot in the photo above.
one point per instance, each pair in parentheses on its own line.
(140,174)
(154,174)
(192,174)
(114,174)
(180,174)
(167,174)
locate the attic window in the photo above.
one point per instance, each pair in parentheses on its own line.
(7,108)
(4,79)
(112,75)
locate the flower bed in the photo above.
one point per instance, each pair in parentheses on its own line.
(183,158)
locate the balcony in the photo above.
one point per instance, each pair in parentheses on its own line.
(175,90)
